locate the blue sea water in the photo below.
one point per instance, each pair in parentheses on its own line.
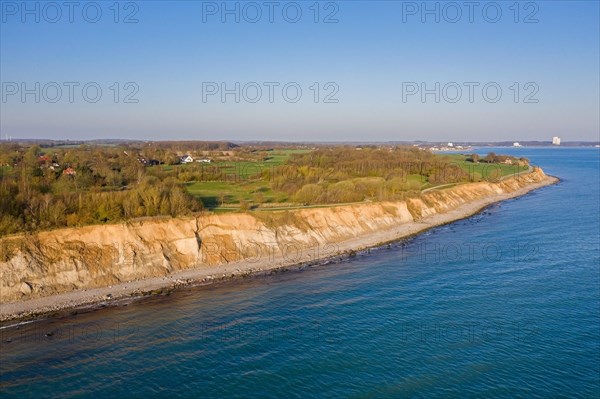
(503,304)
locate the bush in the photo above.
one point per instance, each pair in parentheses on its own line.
(309,194)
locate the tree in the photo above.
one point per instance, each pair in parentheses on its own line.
(473,158)
(244,205)
(490,157)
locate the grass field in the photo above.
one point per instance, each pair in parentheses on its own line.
(248,181)
(240,181)
(485,170)
(216,193)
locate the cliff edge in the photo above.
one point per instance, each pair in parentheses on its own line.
(72,259)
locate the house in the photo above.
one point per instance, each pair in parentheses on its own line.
(516,144)
(556,140)
(148,162)
(186,159)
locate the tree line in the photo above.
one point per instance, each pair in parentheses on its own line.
(41,189)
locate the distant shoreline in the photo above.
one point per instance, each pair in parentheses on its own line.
(92,298)
(503,144)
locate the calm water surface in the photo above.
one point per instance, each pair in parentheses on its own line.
(503,304)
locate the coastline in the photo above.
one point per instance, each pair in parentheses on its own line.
(207,275)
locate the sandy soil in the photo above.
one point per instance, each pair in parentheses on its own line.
(206,275)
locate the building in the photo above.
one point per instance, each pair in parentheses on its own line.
(186,159)
(450,145)
(204,160)
(516,144)
(556,140)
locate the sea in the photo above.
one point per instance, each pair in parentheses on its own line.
(503,304)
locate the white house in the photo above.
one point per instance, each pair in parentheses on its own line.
(556,140)
(516,144)
(186,159)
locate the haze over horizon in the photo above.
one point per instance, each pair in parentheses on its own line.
(361,67)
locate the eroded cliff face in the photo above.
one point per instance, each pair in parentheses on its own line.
(96,256)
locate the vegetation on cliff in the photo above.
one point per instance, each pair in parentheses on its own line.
(49,186)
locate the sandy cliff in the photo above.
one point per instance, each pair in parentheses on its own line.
(65,260)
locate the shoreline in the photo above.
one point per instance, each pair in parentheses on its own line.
(95,298)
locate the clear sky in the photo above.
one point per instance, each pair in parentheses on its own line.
(362,67)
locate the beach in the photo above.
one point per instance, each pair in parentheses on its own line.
(104,296)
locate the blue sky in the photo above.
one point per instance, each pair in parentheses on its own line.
(367,61)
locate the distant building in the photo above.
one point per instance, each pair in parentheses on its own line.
(148,162)
(204,160)
(450,145)
(556,140)
(186,159)
(516,144)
